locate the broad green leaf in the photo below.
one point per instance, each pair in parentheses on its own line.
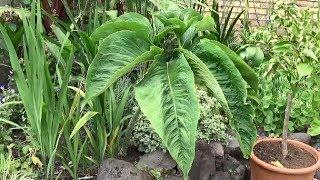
(166,6)
(166,95)
(282,47)
(117,55)
(164,32)
(304,69)
(173,22)
(309,53)
(252,54)
(82,121)
(314,130)
(135,17)
(204,77)
(206,24)
(130,21)
(246,71)
(189,13)
(234,89)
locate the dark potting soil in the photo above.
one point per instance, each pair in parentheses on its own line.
(272,151)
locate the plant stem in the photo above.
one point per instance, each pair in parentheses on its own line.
(285,125)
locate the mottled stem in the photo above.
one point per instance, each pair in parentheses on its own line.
(285,126)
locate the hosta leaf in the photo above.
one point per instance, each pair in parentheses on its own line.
(204,77)
(117,55)
(234,89)
(246,71)
(167,97)
(130,21)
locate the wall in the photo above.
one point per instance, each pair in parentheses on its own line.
(259,10)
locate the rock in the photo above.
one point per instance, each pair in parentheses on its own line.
(317,175)
(236,170)
(302,137)
(246,164)
(220,175)
(219,163)
(262,133)
(217,148)
(204,163)
(317,146)
(233,148)
(114,169)
(219,154)
(172,177)
(4,74)
(157,160)
(5,2)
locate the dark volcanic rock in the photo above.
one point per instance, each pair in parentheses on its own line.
(4,75)
(233,148)
(217,148)
(157,160)
(220,175)
(236,170)
(317,176)
(173,177)
(204,163)
(114,169)
(302,137)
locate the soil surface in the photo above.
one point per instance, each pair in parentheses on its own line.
(271,151)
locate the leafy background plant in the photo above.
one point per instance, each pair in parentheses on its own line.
(291,45)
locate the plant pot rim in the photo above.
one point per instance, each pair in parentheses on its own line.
(306,147)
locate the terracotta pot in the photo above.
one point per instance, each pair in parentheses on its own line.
(264,171)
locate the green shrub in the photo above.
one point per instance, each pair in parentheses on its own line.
(212,122)
(291,43)
(211,126)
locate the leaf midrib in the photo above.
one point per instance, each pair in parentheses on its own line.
(173,98)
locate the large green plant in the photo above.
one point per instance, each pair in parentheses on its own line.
(178,59)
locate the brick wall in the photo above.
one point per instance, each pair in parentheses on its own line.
(259,9)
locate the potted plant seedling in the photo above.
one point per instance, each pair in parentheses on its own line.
(280,158)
